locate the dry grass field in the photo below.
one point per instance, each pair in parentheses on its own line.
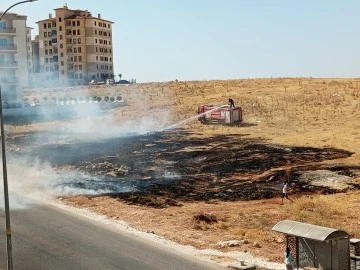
(308,112)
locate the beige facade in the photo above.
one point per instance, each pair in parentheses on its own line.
(75,47)
(13,56)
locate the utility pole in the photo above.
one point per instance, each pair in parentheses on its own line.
(3,152)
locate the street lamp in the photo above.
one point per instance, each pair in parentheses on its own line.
(6,192)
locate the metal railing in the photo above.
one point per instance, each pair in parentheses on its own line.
(9,47)
(8,30)
(8,64)
(11,81)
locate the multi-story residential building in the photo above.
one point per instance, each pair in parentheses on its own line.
(29,49)
(13,56)
(75,47)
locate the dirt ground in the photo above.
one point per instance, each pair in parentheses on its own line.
(201,184)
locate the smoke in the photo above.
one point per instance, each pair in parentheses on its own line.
(33,182)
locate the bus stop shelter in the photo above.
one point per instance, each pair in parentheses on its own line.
(316,246)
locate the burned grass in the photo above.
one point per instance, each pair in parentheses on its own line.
(168,168)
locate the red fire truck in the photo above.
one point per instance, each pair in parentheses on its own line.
(223,115)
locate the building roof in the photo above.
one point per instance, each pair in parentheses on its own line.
(308,231)
(74,16)
(10,14)
(45,20)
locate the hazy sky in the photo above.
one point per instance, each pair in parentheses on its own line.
(161,40)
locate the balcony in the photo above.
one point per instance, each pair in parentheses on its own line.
(8,31)
(9,81)
(9,47)
(8,64)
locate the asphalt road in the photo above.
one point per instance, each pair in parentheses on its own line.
(45,237)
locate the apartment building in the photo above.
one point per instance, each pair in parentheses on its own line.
(13,56)
(75,47)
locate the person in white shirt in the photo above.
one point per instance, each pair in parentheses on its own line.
(285,192)
(289,259)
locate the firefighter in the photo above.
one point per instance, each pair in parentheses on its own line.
(231,103)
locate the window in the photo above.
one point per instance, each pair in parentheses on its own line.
(110,50)
(79,40)
(54,24)
(109,25)
(109,42)
(95,40)
(78,23)
(46,60)
(79,49)
(50,43)
(75,50)
(62,54)
(45,34)
(76,76)
(61,37)
(46,43)
(47,68)
(51,60)
(80,67)
(78,32)
(95,32)
(76,67)
(50,51)
(62,63)
(45,25)
(51,68)
(59,19)
(74,32)
(3,25)
(95,23)
(74,41)
(61,46)
(96,49)
(110,59)
(73,23)
(110,67)
(80,58)
(100,33)
(80,75)
(97,58)
(49,34)
(75,58)
(49,25)
(46,52)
